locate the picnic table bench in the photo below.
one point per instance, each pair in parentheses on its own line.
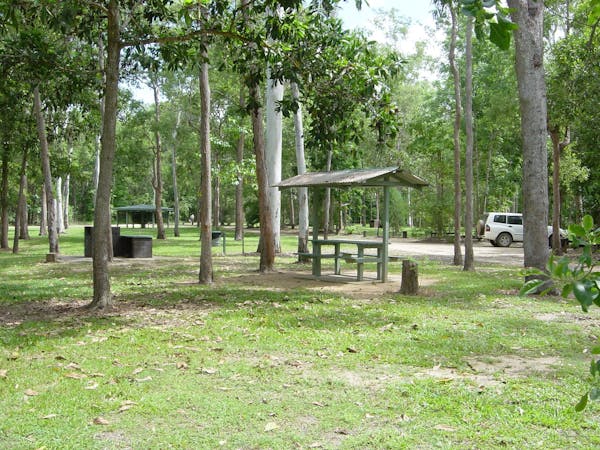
(359,258)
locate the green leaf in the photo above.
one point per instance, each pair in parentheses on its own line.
(593,368)
(500,35)
(531,287)
(566,290)
(488,3)
(588,223)
(577,230)
(580,406)
(595,350)
(584,294)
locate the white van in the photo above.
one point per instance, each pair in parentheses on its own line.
(502,229)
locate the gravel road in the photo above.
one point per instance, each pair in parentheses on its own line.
(484,251)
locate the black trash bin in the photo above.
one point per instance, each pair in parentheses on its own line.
(216,238)
(88,241)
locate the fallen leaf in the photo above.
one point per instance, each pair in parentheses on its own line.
(142,380)
(3,373)
(60,358)
(442,427)
(31,393)
(208,371)
(97,375)
(73,366)
(387,327)
(342,431)
(270,426)
(13,356)
(315,445)
(50,416)
(91,387)
(318,404)
(75,375)
(182,365)
(137,370)
(351,350)
(101,421)
(126,405)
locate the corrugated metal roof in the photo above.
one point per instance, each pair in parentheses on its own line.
(388,176)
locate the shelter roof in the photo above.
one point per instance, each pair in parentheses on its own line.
(141,208)
(388,176)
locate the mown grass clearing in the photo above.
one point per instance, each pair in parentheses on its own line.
(282,360)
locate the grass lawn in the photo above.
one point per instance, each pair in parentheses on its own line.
(282,361)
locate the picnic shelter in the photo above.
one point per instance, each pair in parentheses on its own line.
(385,178)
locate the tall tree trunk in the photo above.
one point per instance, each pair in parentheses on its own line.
(60,224)
(327,204)
(4,199)
(303,212)
(43,212)
(157,182)
(96,175)
(239,188)
(206,266)
(267,247)
(557,147)
(267,239)
(21,201)
(176,212)
(41,130)
(66,192)
(273,148)
(102,232)
(24,219)
(469,259)
(457,121)
(66,198)
(216,181)
(529,59)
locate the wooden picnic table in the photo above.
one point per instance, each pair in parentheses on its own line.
(360,258)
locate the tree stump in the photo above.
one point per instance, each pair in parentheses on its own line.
(410,278)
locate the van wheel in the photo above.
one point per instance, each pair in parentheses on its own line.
(504,240)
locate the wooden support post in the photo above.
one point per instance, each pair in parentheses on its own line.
(410,278)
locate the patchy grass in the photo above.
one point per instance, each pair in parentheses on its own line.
(282,360)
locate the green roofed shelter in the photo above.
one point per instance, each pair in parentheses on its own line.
(142,214)
(386,178)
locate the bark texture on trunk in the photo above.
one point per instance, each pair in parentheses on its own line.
(469,258)
(43,212)
(4,199)
(45,155)
(24,220)
(267,245)
(457,121)
(273,149)
(21,201)
(102,231)
(303,212)
(239,188)
(205,220)
(157,182)
(558,146)
(176,212)
(529,58)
